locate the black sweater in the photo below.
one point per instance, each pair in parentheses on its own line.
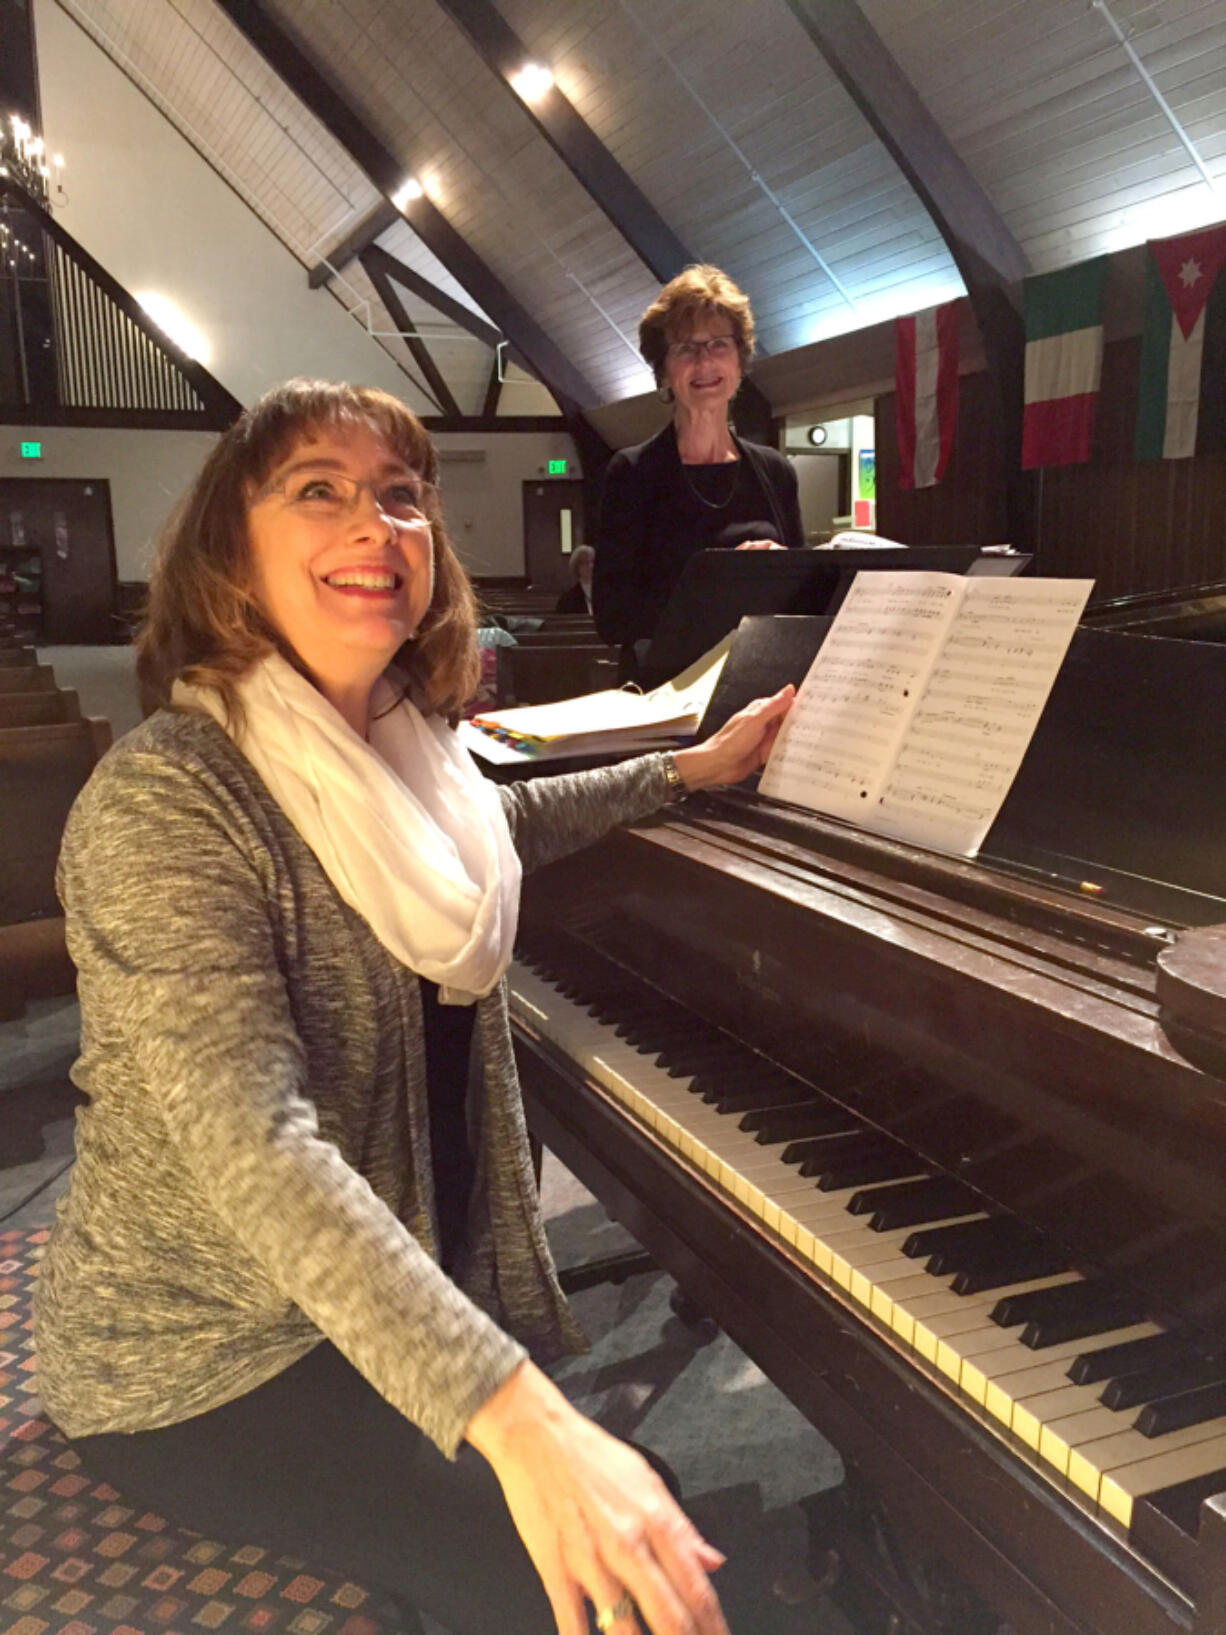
(652,520)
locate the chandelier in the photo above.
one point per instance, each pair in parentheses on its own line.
(24,158)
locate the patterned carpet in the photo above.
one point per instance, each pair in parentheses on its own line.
(75,1560)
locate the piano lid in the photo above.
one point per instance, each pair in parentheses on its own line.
(1121,797)
(1189,613)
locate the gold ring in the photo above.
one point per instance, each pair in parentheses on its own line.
(613,1615)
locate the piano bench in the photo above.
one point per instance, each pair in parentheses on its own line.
(608,1269)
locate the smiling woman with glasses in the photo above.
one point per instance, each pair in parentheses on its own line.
(296,1288)
(696,485)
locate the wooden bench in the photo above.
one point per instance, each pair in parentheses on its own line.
(42,770)
(542,675)
(39,709)
(26,678)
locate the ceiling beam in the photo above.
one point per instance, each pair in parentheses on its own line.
(575,143)
(981,244)
(342,121)
(392,267)
(444,402)
(373,223)
(493,390)
(991,261)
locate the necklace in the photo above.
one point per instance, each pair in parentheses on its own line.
(713,505)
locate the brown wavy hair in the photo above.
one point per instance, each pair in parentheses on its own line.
(701,291)
(201,622)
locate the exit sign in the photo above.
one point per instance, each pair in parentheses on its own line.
(556,468)
(31,451)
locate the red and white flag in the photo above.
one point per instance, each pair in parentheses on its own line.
(926,393)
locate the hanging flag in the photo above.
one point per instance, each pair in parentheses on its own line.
(1181,275)
(1064,362)
(926,393)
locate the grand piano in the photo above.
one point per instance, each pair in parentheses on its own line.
(942,1146)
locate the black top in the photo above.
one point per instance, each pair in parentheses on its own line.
(449,1033)
(656,512)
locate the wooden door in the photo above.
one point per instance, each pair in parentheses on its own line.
(553,527)
(68,521)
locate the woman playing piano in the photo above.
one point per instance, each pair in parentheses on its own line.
(296,1286)
(696,485)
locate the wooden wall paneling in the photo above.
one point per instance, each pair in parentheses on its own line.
(967,507)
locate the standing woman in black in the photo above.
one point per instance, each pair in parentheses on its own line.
(696,485)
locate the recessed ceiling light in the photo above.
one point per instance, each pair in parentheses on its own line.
(531,81)
(408,190)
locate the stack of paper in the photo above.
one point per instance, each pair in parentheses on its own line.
(614,722)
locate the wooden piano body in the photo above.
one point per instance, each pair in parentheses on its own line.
(997,1035)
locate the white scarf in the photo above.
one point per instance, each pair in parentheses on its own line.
(405,826)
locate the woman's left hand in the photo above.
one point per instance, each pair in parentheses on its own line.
(739,747)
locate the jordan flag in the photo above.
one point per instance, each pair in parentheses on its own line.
(926,393)
(1177,373)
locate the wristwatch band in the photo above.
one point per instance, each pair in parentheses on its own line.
(672,777)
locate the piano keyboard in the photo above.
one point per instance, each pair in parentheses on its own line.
(1053,1359)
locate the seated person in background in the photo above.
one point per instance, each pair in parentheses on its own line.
(578,599)
(291,1292)
(696,485)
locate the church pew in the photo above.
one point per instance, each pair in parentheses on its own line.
(27,678)
(542,675)
(42,770)
(39,709)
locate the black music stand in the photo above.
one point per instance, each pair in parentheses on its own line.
(717,589)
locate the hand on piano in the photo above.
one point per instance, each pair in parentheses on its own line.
(596,1519)
(739,747)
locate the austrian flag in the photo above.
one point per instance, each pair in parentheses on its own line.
(926,393)
(1064,361)
(1180,280)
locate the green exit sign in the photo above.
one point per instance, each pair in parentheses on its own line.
(556,468)
(34,451)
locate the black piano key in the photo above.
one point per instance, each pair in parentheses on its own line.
(765,1085)
(1019,1266)
(1071,1311)
(1001,1236)
(911,1203)
(1165,1379)
(1114,1361)
(870,1169)
(823,1151)
(929,1239)
(789,1123)
(1187,1408)
(686,1064)
(797,1151)
(742,1100)
(1172,1514)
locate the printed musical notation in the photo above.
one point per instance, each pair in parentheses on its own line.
(922,702)
(837,745)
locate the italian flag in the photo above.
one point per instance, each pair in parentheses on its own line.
(1180,279)
(1064,360)
(926,393)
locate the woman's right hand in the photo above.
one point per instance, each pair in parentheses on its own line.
(596,1519)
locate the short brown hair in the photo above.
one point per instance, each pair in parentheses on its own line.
(201,621)
(698,292)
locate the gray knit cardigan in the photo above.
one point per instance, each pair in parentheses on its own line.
(253,1165)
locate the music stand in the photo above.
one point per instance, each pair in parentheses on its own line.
(717,589)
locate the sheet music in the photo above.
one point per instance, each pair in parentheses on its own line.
(838,743)
(978,711)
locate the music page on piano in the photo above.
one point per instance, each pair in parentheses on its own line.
(921,702)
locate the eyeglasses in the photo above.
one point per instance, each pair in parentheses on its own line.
(329,495)
(718,347)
